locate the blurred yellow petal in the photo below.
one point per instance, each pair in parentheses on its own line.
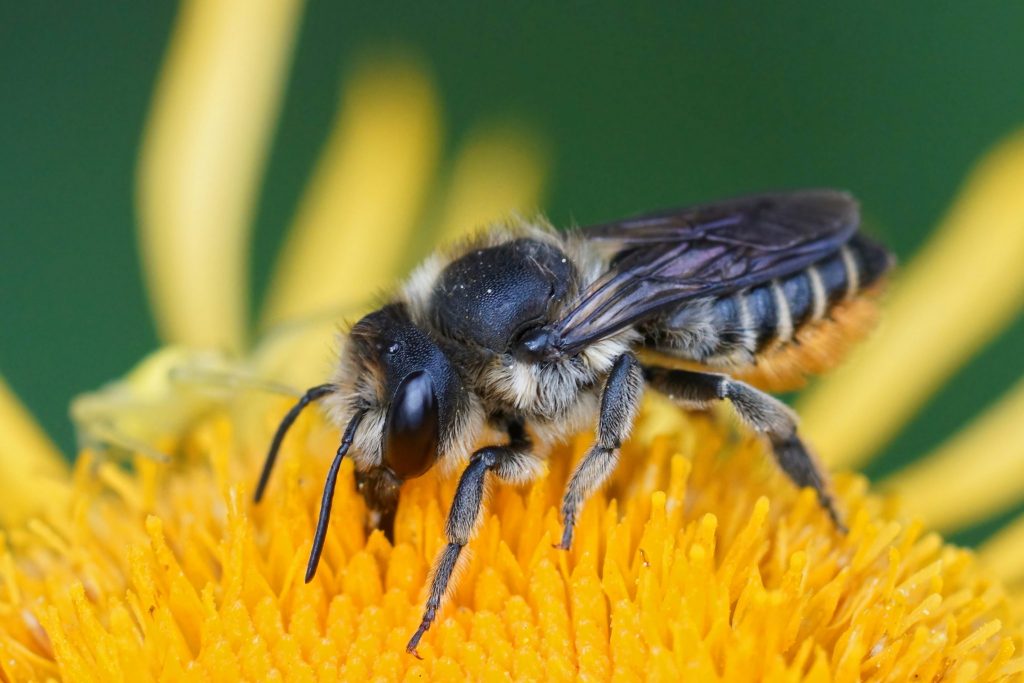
(202,161)
(962,289)
(1004,552)
(498,171)
(353,226)
(982,467)
(304,352)
(32,473)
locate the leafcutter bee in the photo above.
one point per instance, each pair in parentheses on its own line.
(534,333)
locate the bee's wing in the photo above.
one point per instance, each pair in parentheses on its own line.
(659,260)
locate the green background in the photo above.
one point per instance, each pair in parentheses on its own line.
(643,107)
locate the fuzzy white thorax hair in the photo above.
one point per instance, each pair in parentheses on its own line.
(560,397)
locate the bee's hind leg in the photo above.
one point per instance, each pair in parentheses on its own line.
(514,463)
(620,400)
(762,412)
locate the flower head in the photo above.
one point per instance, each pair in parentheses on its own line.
(699,561)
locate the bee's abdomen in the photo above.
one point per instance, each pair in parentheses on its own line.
(742,328)
(776,311)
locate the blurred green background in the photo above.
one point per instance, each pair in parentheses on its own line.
(642,107)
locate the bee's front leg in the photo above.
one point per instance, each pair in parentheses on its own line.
(620,401)
(764,413)
(514,462)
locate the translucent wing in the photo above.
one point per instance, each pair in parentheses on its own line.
(660,260)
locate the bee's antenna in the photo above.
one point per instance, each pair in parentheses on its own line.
(328,498)
(282,429)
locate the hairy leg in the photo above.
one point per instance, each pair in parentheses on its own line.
(513,462)
(762,412)
(620,401)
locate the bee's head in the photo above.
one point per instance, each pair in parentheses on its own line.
(407,387)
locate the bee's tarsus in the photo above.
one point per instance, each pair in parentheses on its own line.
(428,618)
(311,395)
(797,462)
(829,504)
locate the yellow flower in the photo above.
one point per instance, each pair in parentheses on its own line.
(700,562)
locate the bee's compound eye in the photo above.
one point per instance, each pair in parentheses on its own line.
(410,442)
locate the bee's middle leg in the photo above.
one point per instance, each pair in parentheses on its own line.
(514,463)
(762,412)
(620,401)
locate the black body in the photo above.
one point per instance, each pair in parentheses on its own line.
(491,297)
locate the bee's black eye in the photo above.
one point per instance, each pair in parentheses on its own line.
(410,442)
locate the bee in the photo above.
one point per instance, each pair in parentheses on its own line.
(533,333)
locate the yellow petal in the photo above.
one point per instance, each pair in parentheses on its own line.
(202,161)
(499,170)
(962,289)
(358,214)
(1004,552)
(33,475)
(304,352)
(982,467)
